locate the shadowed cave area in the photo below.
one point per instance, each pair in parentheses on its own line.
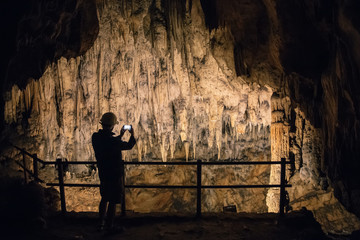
(216,81)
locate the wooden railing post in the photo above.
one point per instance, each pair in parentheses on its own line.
(35,168)
(282,187)
(198,189)
(123,204)
(24,164)
(61,185)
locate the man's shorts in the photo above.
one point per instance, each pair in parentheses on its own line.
(111,190)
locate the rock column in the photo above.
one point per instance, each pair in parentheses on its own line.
(279,145)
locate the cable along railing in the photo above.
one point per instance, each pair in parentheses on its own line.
(60,163)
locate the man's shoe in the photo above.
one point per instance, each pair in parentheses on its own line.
(101,228)
(115,229)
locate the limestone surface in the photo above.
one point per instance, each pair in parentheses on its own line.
(195,88)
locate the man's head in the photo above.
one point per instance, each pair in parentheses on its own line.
(108,120)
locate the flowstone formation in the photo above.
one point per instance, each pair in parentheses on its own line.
(294,138)
(183,102)
(193,87)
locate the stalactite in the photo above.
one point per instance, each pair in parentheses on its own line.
(172,144)
(163,148)
(139,145)
(118,69)
(194,146)
(183,125)
(14,105)
(182,98)
(99,81)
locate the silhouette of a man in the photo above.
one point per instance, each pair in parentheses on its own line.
(107,148)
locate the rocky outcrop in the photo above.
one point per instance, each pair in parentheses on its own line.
(312,56)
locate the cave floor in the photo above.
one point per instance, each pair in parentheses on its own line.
(296,225)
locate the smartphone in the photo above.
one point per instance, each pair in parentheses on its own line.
(127,127)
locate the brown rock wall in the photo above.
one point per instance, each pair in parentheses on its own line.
(195,78)
(161,72)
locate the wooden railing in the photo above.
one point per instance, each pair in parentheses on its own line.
(199,163)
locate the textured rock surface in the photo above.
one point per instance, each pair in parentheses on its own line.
(305,150)
(192,93)
(153,89)
(182,102)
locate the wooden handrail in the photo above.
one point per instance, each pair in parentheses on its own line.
(33,156)
(35,159)
(283,184)
(31,173)
(174,186)
(180,163)
(198,185)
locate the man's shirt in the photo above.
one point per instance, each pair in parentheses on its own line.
(108,153)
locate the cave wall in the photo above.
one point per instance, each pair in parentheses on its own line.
(312,54)
(322,59)
(157,67)
(330,87)
(304,51)
(182,101)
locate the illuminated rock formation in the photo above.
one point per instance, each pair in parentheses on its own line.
(177,112)
(211,80)
(280,127)
(183,101)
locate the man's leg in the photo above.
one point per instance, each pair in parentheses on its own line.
(111,214)
(102,212)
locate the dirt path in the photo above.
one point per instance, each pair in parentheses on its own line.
(159,226)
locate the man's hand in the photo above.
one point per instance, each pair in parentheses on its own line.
(122,131)
(131,130)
